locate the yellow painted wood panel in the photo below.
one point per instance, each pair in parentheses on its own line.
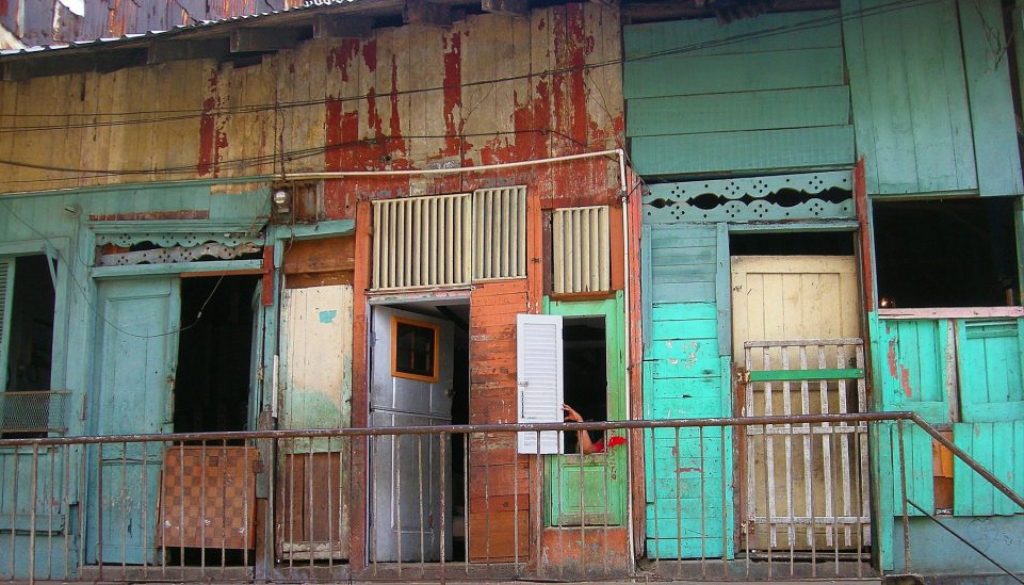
(317,324)
(777,298)
(794,297)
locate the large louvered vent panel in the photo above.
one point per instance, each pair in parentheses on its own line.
(581,255)
(499,229)
(422,241)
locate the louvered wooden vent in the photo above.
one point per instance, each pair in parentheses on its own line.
(581,254)
(500,233)
(449,240)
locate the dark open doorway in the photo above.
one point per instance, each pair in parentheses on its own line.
(30,349)
(584,345)
(212,386)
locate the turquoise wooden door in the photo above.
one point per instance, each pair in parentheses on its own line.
(137,341)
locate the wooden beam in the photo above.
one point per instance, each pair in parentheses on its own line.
(423,12)
(510,7)
(64,64)
(342,27)
(248,40)
(164,51)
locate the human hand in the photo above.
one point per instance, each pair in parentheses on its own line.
(571,415)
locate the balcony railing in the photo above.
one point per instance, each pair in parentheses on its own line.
(425,503)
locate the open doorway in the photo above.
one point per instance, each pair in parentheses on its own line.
(585,374)
(215,344)
(211,394)
(419,376)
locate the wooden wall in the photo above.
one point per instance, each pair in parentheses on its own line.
(711,98)
(489,88)
(931,97)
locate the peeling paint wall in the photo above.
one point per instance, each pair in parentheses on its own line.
(488,89)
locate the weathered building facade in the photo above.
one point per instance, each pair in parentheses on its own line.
(308,267)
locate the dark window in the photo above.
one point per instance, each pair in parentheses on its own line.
(946,253)
(415,350)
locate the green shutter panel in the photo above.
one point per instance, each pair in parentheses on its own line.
(990,372)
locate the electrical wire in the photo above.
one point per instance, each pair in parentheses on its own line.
(92,304)
(185,114)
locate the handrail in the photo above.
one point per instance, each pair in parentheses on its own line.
(966,542)
(733,421)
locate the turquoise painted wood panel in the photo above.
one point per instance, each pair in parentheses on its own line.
(993,122)
(17,499)
(991,378)
(686,472)
(749,151)
(999,447)
(136,365)
(909,97)
(682,264)
(917,447)
(910,365)
(753,110)
(803,30)
(694,75)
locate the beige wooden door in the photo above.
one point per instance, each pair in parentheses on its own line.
(805,486)
(794,297)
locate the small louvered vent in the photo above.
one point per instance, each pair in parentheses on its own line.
(499,224)
(580,250)
(422,241)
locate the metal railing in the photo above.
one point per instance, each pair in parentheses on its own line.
(422,503)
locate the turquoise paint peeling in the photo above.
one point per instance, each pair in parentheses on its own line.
(327,317)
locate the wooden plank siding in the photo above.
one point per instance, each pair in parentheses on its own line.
(931,98)
(481,91)
(500,485)
(685,377)
(705,97)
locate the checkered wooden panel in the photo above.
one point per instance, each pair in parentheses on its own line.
(208,497)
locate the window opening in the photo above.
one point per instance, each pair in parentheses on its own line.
(946,253)
(212,385)
(414,350)
(584,347)
(29,353)
(792,244)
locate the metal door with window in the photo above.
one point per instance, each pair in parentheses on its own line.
(410,384)
(796,328)
(137,338)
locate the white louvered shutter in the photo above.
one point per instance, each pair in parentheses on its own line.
(6,299)
(539,377)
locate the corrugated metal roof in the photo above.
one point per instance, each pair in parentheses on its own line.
(312,6)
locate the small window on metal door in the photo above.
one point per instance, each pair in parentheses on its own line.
(414,348)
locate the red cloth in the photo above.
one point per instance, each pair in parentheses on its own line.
(613,442)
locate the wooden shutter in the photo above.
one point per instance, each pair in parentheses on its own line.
(6,299)
(581,259)
(989,370)
(539,377)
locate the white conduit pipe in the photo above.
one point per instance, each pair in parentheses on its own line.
(618,152)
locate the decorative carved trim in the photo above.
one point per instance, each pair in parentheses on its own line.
(178,254)
(806,196)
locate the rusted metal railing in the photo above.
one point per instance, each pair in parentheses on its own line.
(423,503)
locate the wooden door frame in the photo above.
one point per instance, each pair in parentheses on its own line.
(612,309)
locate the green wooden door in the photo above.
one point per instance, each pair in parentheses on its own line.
(590,490)
(137,341)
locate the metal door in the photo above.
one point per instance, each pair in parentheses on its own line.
(137,338)
(411,486)
(796,329)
